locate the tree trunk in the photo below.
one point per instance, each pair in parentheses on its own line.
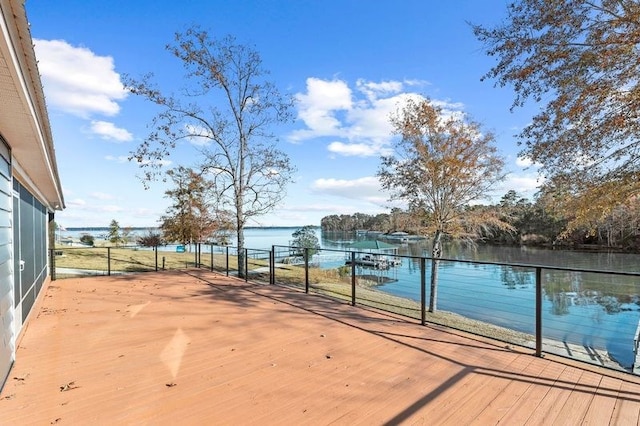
(241,256)
(436,254)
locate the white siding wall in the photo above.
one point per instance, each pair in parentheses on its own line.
(7,337)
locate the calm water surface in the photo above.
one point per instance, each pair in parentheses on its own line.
(587,309)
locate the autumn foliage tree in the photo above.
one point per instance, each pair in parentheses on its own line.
(226,111)
(190,218)
(442,162)
(580,61)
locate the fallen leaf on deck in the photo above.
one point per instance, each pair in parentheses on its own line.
(68,387)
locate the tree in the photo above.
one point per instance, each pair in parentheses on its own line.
(237,147)
(126,235)
(114,236)
(151,239)
(581,58)
(442,162)
(305,238)
(87,239)
(190,218)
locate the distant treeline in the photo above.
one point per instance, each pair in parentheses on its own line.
(106,228)
(534,223)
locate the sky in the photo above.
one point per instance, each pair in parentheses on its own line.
(347,63)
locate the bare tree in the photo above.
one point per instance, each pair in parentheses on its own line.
(580,61)
(228,109)
(442,162)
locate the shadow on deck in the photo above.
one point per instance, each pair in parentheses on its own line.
(196,347)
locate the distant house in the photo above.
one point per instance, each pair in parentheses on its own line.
(30,190)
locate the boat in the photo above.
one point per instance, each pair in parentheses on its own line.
(366,260)
(377,262)
(402,237)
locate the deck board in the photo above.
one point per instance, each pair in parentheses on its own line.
(201,348)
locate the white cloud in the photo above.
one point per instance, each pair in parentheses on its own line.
(317,107)
(373,90)
(523,183)
(329,108)
(113,208)
(109,131)
(118,159)
(163,163)
(76,202)
(200,136)
(526,185)
(352,149)
(78,81)
(365,188)
(525,162)
(102,196)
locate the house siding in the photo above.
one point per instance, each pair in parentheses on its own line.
(30,189)
(7,329)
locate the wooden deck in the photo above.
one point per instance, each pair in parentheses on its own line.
(200,348)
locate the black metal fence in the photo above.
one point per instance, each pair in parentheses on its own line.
(588,315)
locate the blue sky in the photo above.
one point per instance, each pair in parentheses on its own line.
(348,63)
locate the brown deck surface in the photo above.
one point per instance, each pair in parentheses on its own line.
(200,348)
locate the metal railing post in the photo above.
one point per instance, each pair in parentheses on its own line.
(306,270)
(155,248)
(423,290)
(109,261)
(52,262)
(227,266)
(272,265)
(538,311)
(211,255)
(246,265)
(353,278)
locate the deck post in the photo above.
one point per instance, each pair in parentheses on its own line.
(246,265)
(227,266)
(306,269)
(538,311)
(52,263)
(272,269)
(353,278)
(423,290)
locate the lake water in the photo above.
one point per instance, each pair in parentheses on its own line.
(586,309)
(591,310)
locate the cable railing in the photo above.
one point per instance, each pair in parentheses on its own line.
(587,315)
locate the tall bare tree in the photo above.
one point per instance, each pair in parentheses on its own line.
(228,108)
(442,162)
(580,60)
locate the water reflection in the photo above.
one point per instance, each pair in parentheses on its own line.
(516,277)
(579,308)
